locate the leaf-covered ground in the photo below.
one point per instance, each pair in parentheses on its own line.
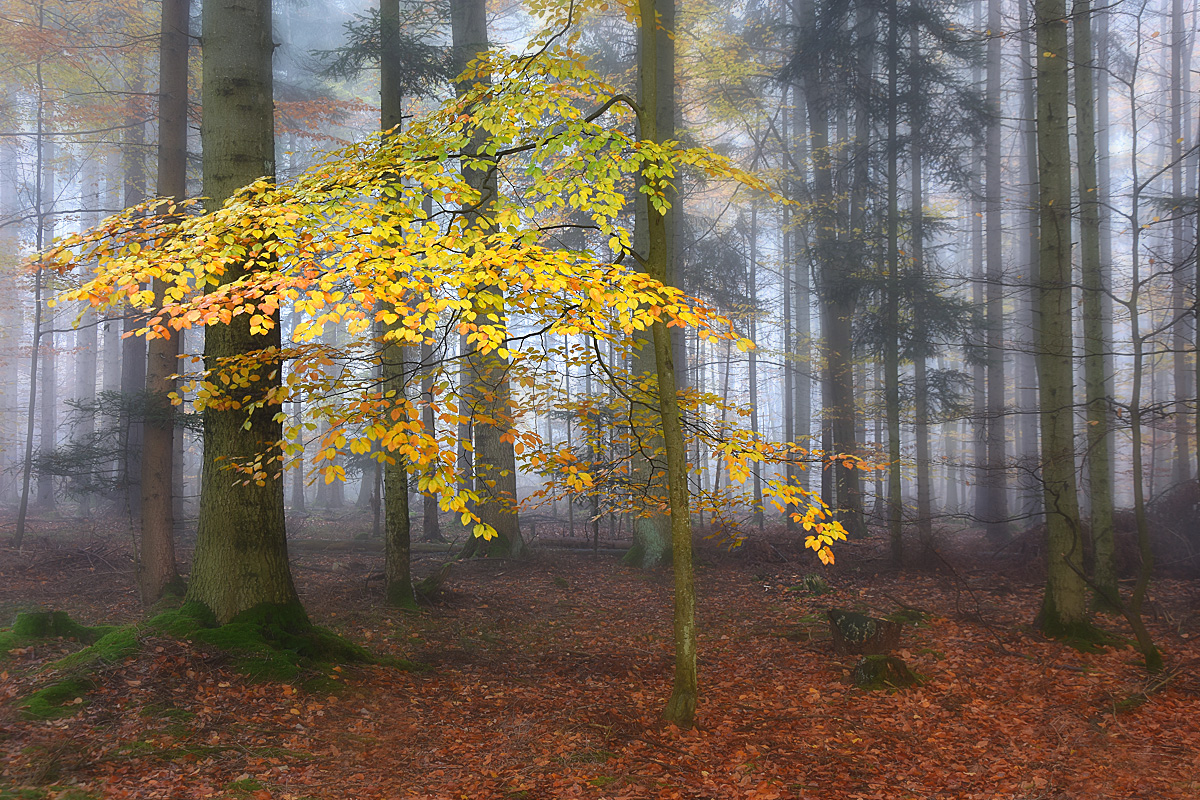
(546,680)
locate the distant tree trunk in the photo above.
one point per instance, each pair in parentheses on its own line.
(157,574)
(86,337)
(891,349)
(920,346)
(396,519)
(298,500)
(789,357)
(978,289)
(995,488)
(752,375)
(1182,255)
(1028,453)
(490,397)
(1064,607)
(1100,490)
(133,347)
(431,529)
(48,393)
(241,558)
(838,294)
(39,208)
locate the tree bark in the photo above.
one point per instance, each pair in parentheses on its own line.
(681,707)
(1100,489)
(157,572)
(490,396)
(241,558)
(1064,608)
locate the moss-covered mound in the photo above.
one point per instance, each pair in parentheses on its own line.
(32,626)
(268,642)
(74,675)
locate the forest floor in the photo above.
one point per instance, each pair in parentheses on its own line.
(547,678)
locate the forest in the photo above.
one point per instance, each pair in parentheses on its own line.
(579,398)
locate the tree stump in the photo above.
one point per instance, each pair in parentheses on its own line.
(883,672)
(859,635)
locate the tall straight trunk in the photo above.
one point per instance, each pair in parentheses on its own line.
(86,337)
(157,573)
(241,558)
(753,361)
(1064,607)
(979,370)
(133,347)
(431,529)
(1100,489)
(789,358)
(801,285)
(1026,362)
(48,378)
(39,208)
(995,486)
(1182,265)
(490,396)
(681,707)
(891,349)
(920,365)
(398,587)
(652,529)
(838,294)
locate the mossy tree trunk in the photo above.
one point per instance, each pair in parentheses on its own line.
(241,558)
(1064,606)
(681,707)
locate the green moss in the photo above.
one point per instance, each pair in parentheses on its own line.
(268,642)
(32,626)
(1083,636)
(56,700)
(114,646)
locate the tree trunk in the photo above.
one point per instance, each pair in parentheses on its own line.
(920,346)
(1064,608)
(157,573)
(241,558)
(48,377)
(1100,489)
(681,707)
(995,487)
(490,397)
(891,350)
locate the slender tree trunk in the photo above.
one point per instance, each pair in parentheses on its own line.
(1181,252)
(490,397)
(86,337)
(431,529)
(396,519)
(1028,454)
(1064,607)
(920,346)
(157,573)
(995,487)
(48,377)
(241,558)
(681,707)
(752,282)
(1100,490)
(891,350)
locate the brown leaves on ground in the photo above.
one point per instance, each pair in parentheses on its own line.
(548,679)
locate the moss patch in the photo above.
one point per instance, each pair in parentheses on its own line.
(268,642)
(62,698)
(30,627)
